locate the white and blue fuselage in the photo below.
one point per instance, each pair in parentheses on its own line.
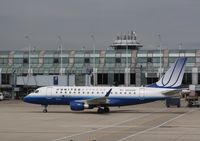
(119,96)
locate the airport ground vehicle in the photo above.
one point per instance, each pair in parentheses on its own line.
(173,101)
(1,96)
(192,99)
(6,95)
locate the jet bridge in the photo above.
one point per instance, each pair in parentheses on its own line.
(46,80)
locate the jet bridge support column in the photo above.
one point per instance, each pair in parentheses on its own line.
(194,76)
(87,80)
(127,76)
(95,76)
(138,72)
(0,76)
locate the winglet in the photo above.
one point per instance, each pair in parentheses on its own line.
(108,93)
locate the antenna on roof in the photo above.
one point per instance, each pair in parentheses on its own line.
(180,46)
(134,35)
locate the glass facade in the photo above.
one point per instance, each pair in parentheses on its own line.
(110,64)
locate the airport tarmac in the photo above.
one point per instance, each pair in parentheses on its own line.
(153,122)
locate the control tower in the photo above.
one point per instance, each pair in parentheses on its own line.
(126,42)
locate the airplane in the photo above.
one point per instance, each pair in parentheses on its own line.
(89,97)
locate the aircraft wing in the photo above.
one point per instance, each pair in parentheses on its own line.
(97,101)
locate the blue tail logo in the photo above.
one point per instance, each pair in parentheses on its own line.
(174,76)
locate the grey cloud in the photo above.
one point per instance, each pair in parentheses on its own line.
(75,20)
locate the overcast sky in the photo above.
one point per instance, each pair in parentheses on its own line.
(76,20)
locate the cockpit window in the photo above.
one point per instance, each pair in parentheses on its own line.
(37,91)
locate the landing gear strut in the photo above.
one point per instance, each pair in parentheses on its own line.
(45,108)
(103,110)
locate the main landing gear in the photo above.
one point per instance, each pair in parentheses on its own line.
(45,108)
(103,110)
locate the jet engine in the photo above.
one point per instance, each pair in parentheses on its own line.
(78,106)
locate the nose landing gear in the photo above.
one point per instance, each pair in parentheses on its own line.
(45,108)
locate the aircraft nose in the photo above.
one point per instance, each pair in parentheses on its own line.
(26,99)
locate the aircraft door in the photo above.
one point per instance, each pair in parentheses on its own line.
(49,92)
(141,93)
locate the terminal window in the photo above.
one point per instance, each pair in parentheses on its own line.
(102,78)
(151,80)
(187,78)
(132,78)
(198,78)
(25,60)
(149,60)
(55,60)
(119,78)
(87,60)
(5,79)
(118,60)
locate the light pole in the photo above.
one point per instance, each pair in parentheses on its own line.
(60,48)
(29,54)
(160,47)
(127,82)
(126,53)
(94,69)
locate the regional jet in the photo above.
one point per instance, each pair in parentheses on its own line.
(89,97)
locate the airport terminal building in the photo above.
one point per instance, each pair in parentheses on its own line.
(125,64)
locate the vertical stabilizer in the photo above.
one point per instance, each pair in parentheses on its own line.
(174,76)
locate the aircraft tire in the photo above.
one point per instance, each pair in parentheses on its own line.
(45,111)
(100,110)
(106,110)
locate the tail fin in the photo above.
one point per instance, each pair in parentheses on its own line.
(173,77)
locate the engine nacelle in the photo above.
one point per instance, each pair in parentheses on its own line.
(77,106)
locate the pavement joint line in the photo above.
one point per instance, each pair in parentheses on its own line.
(152,128)
(113,125)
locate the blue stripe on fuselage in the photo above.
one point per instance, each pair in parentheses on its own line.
(113,101)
